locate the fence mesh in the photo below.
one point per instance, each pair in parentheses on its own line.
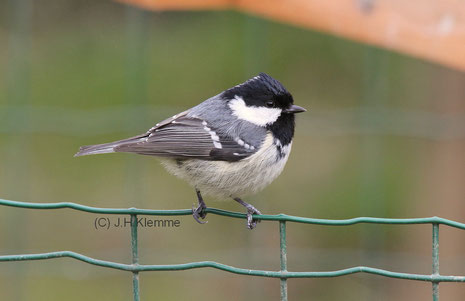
(283,274)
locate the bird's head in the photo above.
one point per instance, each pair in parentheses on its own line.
(261,100)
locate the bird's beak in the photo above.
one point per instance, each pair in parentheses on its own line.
(294,109)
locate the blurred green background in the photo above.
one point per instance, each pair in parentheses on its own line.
(384,136)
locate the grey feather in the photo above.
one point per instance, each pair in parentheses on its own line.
(105,147)
(187,137)
(191,135)
(216,111)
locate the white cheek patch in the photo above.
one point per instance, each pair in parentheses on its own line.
(260,116)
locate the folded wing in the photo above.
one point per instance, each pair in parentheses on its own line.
(180,137)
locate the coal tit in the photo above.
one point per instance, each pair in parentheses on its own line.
(230,145)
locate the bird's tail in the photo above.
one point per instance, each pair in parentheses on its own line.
(105,148)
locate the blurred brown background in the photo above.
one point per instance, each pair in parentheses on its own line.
(384,136)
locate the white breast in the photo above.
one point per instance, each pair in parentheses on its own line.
(233,179)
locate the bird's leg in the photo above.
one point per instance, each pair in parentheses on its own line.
(199,212)
(251,223)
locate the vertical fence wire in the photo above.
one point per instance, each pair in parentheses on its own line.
(136,67)
(283,275)
(17,91)
(135,257)
(253,44)
(283,256)
(435,261)
(372,185)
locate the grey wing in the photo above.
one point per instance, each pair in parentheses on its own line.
(185,137)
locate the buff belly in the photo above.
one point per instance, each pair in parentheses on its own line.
(237,179)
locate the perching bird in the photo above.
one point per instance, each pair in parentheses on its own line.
(230,145)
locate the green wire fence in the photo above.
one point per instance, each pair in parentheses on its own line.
(435,278)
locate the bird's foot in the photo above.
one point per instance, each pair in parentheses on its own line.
(251,222)
(199,212)
(251,210)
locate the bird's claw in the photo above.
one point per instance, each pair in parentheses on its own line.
(199,212)
(251,222)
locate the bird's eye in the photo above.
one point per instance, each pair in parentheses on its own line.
(270,104)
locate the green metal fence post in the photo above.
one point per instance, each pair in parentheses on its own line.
(435,261)
(135,257)
(283,255)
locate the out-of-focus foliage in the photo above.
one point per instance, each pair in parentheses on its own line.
(383,136)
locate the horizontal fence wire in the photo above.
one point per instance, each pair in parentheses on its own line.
(119,118)
(275,217)
(435,278)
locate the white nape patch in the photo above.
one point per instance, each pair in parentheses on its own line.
(260,116)
(214,136)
